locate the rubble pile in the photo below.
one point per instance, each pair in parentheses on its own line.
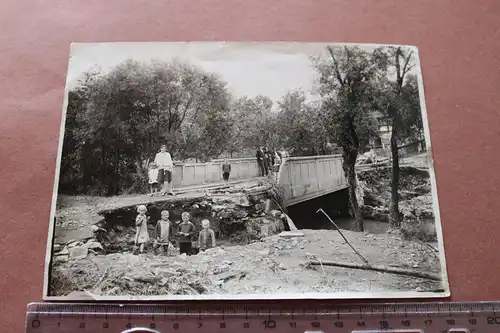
(254,255)
(274,264)
(234,218)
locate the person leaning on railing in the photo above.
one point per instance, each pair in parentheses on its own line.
(277,162)
(261,160)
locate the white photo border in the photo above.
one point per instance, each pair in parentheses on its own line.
(288,296)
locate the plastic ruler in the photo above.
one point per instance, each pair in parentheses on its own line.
(471,317)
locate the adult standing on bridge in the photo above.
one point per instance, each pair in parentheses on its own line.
(269,159)
(277,161)
(261,160)
(165,167)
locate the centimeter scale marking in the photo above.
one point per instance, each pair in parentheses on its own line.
(470,317)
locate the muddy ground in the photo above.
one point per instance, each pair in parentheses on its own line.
(272,265)
(95,256)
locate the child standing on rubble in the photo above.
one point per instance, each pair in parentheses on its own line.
(164,230)
(206,238)
(185,232)
(141,226)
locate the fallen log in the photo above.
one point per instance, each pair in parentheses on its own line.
(377,268)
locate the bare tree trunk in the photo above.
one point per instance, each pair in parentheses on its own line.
(117,170)
(103,169)
(348,164)
(149,147)
(394,218)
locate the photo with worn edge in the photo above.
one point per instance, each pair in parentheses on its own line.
(249,170)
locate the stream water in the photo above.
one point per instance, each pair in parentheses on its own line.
(372,227)
(305,215)
(344,223)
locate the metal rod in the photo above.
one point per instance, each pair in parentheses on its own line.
(341,234)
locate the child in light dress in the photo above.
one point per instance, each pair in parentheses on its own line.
(141,226)
(153,178)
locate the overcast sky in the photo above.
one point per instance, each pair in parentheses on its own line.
(250,69)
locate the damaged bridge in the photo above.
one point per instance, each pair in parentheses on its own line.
(302,178)
(310,177)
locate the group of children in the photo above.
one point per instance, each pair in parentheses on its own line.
(165,233)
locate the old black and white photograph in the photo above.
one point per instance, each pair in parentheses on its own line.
(221,170)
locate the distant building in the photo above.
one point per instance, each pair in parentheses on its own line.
(382,143)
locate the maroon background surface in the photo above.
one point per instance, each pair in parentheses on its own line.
(460,57)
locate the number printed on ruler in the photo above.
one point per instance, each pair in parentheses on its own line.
(478,317)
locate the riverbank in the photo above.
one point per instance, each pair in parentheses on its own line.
(93,250)
(415,195)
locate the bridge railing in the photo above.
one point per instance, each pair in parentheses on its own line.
(304,178)
(189,174)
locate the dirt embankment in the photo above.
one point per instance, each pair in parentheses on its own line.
(275,264)
(416,205)
(252,256)
(236,218)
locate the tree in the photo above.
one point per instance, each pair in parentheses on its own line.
(413,128)
(215,125)
(252,124)
(347,86)
(402,107)
(117,120)
(290,121)
(72,167)
(300,125)
(183,96)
